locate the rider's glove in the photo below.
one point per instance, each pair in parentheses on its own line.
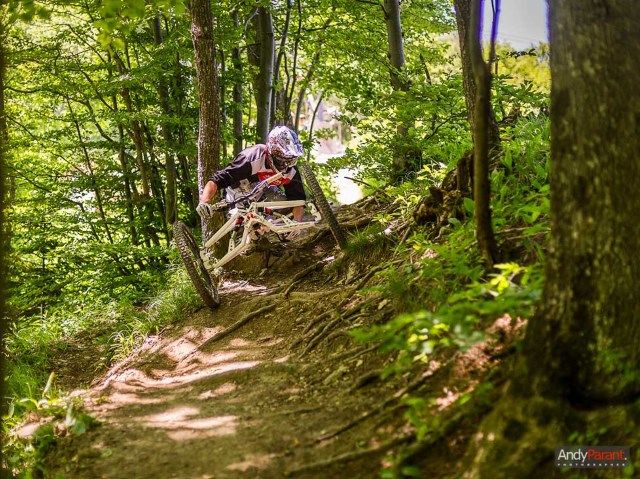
(205,210)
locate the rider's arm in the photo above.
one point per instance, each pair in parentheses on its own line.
(239,169)
(243,166)
(294,190)
(209,191)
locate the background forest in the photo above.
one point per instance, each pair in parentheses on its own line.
(103,115)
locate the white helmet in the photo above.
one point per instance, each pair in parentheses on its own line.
(284,147)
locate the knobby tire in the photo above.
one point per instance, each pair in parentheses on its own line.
(190,254)
(322,204)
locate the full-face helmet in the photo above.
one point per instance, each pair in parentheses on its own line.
(284,147)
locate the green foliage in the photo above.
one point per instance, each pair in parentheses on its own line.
(56,414)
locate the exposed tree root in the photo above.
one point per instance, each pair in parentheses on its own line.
(298,276)
(415,451)
(372,412)
(323,332)
(366,379)
(238,324)
(353,455)
(357,223)
(351,355)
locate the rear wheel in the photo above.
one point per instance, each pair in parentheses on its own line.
(323,205)
(190,254)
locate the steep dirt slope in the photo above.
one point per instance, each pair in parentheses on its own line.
(287,394)
(252,404)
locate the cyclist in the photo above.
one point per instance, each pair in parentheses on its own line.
(258,163)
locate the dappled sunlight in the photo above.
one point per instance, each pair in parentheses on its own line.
(182,426)
(226,388)
(239,342)
(229,287)
(118,399)
(252,462)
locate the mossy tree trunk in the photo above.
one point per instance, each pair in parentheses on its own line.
(579,363)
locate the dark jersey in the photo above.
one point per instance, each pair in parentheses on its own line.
(250,167)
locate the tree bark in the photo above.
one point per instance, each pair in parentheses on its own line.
(262,55)
(578,367)
(171,199)
(463,23)
(482,141)
(278,92)
(402,155)
(236,60)
(207,76)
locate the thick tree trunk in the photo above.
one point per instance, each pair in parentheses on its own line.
(592,295)
(579,364)
(463,22)
(206,71)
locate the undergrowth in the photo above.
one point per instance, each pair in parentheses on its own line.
(443,298)
(32,393)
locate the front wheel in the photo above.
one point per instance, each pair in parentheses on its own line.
(323,205)
(190,254)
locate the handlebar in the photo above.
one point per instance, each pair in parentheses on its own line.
(252,195)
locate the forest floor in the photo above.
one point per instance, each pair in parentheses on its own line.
(287,394)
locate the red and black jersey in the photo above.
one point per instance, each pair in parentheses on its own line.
(250,167)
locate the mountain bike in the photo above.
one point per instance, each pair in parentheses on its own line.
(249,221)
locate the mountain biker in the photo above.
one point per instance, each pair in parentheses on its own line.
(258,163)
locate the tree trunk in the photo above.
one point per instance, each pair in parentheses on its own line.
(207,75)
(237,93)
(481,141)
(171,200)
(463,22)
(402,155)
(278,92)
(262,56)
(4,243)
(578,368)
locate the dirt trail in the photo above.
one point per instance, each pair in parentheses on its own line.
(250,405)
(287,394)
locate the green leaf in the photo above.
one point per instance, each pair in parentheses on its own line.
(469,205)
(411,471)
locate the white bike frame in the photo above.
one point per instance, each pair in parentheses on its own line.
(255,224)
